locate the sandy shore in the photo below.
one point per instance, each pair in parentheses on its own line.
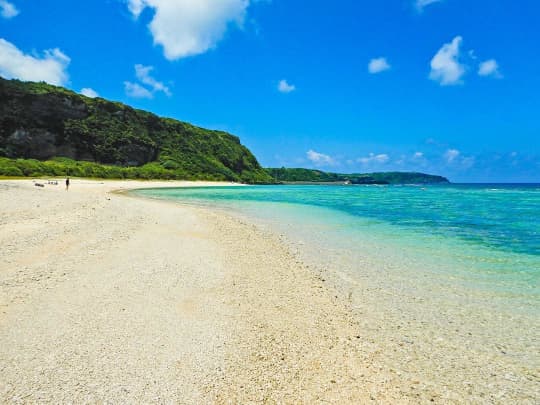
(108,298)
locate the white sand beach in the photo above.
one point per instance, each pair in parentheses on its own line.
(105,297)
(108,298)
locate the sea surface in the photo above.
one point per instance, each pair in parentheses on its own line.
(455,268)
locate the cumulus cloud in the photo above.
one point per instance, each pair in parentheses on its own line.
(445,66)
(136,7)
(421,4)
(489,68)
(320,159)
(373,158)
(148,85)
(50,68)
(190,27)
(284,87)
(457,160)
(135,90)
(418,155)
(143,74)
(88,92)
(378,65)
(7,9)
(451,155)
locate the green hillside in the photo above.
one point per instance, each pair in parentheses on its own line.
(42,122)
(302,175)
(285,175)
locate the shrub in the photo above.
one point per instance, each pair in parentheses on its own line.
(11,171)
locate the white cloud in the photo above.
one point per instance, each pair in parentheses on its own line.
(285,87)
(489,68)
(7,9)
(378,65)
(135,90)
(373,158)
(320,159)
(418,155)
(421,4)
(451,155)
(190,27)
(445,66)
(143,74)
(50,68)
(457,160)
(136,7)
(88,92)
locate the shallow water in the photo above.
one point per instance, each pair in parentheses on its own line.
(454,269)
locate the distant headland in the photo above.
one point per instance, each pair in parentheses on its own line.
(285,175)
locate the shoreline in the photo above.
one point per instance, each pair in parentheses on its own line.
(423,322)
(105,298)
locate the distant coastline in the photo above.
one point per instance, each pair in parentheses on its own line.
(61,167)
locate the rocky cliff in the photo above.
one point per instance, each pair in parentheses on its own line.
(41,121)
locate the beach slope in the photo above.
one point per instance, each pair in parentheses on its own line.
(107,298)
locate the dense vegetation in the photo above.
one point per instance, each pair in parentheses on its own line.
(407,178)
(316,176)
(67,167)
(303,175)
(40,122)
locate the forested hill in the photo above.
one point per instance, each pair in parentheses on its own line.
(285,175)
(40,121)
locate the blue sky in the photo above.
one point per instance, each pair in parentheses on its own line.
(450,87)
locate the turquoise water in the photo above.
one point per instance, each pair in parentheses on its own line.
(444,280)
(483,235)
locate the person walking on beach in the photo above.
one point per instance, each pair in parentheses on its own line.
(67,184)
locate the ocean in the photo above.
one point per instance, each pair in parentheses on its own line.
(455,269)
